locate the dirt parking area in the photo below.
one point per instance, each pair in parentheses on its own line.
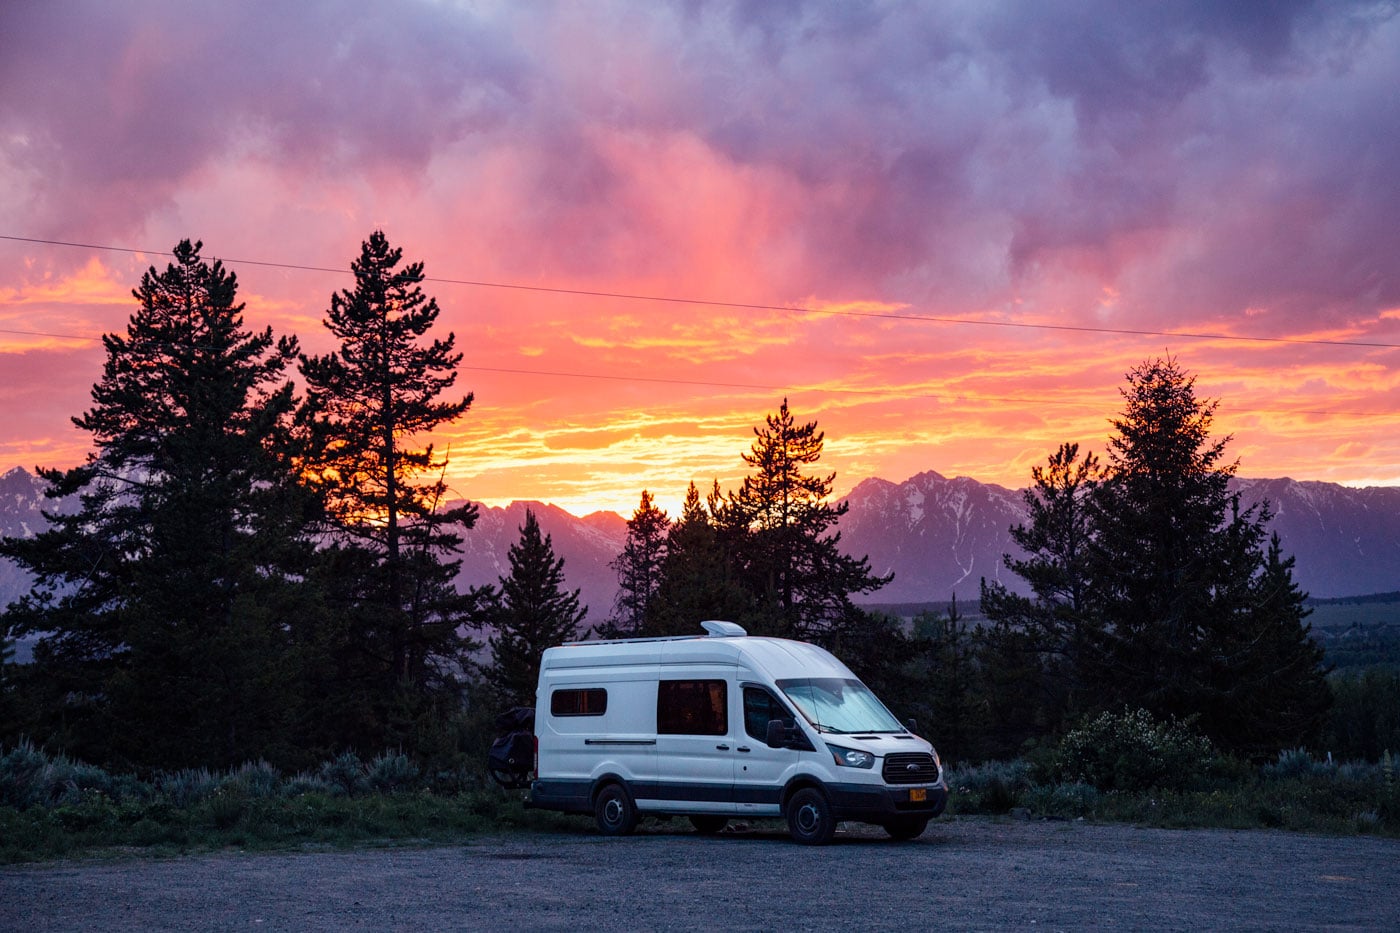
(966,873)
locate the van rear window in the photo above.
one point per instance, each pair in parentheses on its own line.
(692,707)
(592,701)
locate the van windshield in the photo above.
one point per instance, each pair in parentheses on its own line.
(835,704)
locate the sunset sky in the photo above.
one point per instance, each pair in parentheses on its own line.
(864,207)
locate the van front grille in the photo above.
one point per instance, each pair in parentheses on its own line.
(910,768)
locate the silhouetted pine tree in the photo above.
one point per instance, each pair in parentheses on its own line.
(390,576)
(697,577)
(1179,568)
(777,530)
(1151,587)
(638,570)
(947,701)
(1045,642)
(162,601)
(1269,674)
(531,612)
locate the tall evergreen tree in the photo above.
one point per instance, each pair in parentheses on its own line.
(532,612)
(1151,586)
(638,570)
(1269,674)
(367,405)
(777,528)
(157,600)
(1171,546)
(1048,641)
(948,704)
(697,578)
(1181,575)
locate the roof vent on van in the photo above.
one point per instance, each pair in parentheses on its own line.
(718,629)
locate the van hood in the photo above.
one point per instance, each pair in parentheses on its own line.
(879,744)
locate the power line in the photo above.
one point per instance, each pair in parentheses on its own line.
(749,306)
(845,390)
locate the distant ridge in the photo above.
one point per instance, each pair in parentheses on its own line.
(939,536)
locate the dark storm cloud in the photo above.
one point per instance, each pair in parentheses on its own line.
(1197,158)
(115,106)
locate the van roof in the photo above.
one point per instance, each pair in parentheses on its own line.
(779,658)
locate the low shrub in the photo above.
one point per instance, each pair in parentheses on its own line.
(391,772)
(1297,763)
(1063,801)
(188,786)
(345,774)
(258,780)
(992,787)
(1132,751)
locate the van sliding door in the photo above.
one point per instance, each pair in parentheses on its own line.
(695,743)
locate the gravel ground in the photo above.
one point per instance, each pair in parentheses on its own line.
(965,873)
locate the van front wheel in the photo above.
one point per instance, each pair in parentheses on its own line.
(809,817)
(614,811)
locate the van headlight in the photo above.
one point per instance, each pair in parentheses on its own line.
(851,757)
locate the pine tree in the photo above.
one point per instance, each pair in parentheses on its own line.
(385,495)
(1047,641)
(1179,570)
(776,529)
(1269,674)
(697,578)
(158,599)
(531,613)
(638,570)
(1167,529)
(947,702)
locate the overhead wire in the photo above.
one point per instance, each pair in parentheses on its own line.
(748,306)
(752,306)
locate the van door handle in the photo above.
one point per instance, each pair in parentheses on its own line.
(723,748)
(744,748)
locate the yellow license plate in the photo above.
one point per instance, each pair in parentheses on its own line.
(918,795)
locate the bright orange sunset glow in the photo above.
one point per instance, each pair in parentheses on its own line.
(927,227)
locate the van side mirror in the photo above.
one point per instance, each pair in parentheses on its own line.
(777,734)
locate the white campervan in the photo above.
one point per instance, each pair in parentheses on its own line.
(720,726)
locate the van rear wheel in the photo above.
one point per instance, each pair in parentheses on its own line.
(614,811)
(809,817)
(708,825)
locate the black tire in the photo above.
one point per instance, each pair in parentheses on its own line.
(809,817)
(907,827)
(614,811)
(708,825)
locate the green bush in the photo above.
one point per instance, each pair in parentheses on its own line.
(391,772)
(992,787)
(1297,763)
(1132,751)
(1063,801)
(187,787)
(22,776)
(345,774)
(258,780)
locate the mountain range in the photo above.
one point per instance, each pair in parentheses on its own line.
(939,536)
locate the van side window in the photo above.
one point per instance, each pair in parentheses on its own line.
(759,707)
(692,707)
(589,702)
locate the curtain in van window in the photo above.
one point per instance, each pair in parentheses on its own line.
(692,707)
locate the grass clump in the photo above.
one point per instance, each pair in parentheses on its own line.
(52,807)
(1129,767)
